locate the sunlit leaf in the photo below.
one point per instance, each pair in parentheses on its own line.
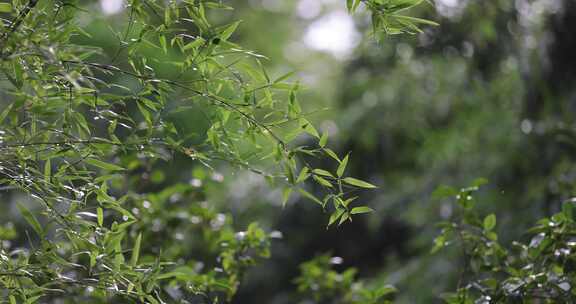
(335,216)
(322,172)
(5,8)
(489,222)
(342,166)
(360,210)
(358,183)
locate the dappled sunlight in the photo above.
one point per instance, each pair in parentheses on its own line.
(112,7)
(333,33)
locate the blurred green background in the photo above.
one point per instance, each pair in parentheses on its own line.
(489,93)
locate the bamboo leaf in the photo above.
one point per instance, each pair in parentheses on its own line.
(100,214)
(322,181)
(47,170)
(303,175)
(335,216)
(323,140)
(103,165)
(361,210)
(31,219)
(286,196)
(309,196)
(342,166)
(344,217)
(5,7)
(489,222)
(332,154)
(322,172)
(358,183)
(136,251)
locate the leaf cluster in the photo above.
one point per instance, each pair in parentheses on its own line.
(541,268)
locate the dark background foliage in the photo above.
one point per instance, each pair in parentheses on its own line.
(489,93)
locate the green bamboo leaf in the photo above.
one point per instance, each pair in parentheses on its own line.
(308,128)
(163,43)
(358,183)
(489,222)
(335,216)
(103,165)
(303,175)
(100,214)
(323,140)
(322,181)
(33,300)
(347,202)
(47,170)
(5,7)
(217,5)
(355,5)
(400,5)
(289,173)
(5,112)
(332,154)
(116,246)
(286,196)
(352,5)
(322,172)
(229,30)
(194,44)
(309,196)
(136,251)
(360,210)
(31,219)
(444,192)
(344,217)
(349,5)
(568,210)
(342,166)
(283,77)
(415,20)
(145,112)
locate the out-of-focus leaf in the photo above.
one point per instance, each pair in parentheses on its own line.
(103,165)
(489,222)
(5,7)
(136,251)
(31,219)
